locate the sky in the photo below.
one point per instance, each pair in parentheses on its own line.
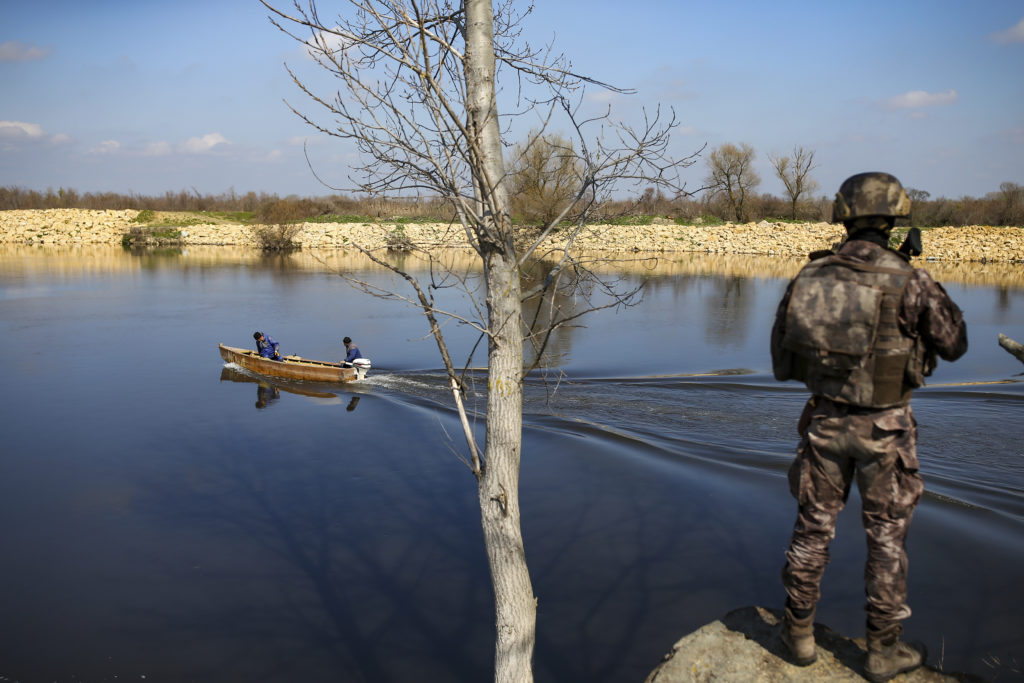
(151,97)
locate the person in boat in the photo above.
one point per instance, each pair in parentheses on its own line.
(351,352)
(861,328)
(266,346)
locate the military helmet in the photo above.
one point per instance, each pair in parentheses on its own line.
(870,194)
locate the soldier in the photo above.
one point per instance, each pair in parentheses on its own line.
(861,327)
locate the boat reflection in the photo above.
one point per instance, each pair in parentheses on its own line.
(268,392)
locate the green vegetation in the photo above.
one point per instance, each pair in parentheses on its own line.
(147,236)
(630,220)
(155,219)
(240,217)
(415,220)
(706,219)
(397,240)
(335,218)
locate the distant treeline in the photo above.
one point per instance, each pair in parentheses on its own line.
(1004,207)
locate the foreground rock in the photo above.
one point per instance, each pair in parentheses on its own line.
(744,646)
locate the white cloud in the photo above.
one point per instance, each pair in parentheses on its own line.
(326,42)
(920,98)
(19,130)
(157,149)
(60,139)
(602,96)
(105,147)
(1014,34)
(14,51)
(203,144)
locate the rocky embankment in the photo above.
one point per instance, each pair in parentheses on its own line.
(75,226)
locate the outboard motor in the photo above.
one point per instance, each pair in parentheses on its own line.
(362,366)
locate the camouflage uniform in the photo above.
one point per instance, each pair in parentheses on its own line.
(877,445)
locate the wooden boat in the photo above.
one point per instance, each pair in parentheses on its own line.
(294,367)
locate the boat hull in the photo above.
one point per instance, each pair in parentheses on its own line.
(293,367)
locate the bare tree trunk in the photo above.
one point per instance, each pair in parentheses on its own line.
(515,604)
(1016,349)
(423,115)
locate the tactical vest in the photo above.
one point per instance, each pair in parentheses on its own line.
(842,335)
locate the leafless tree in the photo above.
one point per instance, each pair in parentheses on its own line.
(917,195)
(418,100)
(545,175)
(795,174)
(1012,196)
(731,174)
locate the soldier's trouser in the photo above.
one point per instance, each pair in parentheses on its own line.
(879,448)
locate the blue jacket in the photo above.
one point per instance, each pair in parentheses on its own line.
(353,353)
(268,347)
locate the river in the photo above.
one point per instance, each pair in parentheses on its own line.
(169,517)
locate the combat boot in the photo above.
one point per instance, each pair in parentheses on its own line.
(798,636)
(888,656)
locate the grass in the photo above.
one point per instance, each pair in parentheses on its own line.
(343,218)
(181,219)
(631,220)
(706,219)
(241,217)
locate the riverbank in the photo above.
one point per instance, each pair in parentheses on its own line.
(78,226)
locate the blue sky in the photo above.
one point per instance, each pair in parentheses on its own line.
(149,97)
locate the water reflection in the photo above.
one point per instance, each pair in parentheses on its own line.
(564,296)
(729,311)
(99,258)
(265,395)
(268,391)
(322,569)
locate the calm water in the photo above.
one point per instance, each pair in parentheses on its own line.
(158,523)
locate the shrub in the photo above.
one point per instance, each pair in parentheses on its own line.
(397,240)
(276,237)
(145,216)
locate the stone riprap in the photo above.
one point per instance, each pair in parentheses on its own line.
(77,226)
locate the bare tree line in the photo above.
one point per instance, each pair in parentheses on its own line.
(731,183)
(543,170)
